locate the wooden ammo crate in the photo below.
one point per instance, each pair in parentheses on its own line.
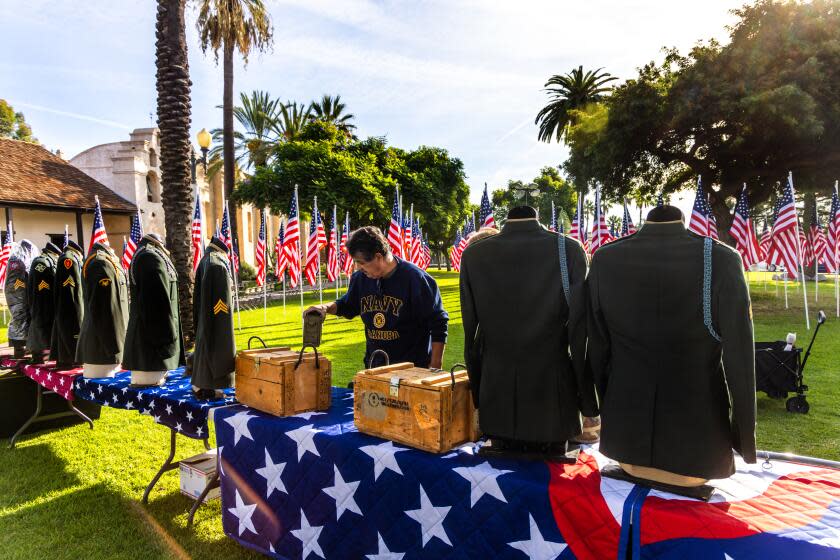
(414,406)
(266,379)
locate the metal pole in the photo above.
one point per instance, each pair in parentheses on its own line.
(799,258)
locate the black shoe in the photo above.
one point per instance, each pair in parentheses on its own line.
(204,394)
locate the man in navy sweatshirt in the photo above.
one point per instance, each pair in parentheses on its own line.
(400,304)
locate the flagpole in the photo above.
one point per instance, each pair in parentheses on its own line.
(799,258)
(299,254)
(836,256)
(265,268)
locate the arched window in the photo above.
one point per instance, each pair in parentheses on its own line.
(152,188)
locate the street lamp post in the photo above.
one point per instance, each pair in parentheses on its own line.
(526,190)
(204,139)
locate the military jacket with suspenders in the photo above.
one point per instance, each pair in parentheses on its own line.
(69,307)
(215,347)
(41,296)
(671,348)
(153,338)
(106,309)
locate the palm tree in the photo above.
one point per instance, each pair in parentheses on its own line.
(258,116)
(232,25)
(331,109)
(293,117)
(570,91)
(173,109)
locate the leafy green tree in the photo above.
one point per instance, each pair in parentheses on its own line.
(229,26)
(549,186)
(13,125)
(569,92)
(293,117)
(258,117)
(745,112)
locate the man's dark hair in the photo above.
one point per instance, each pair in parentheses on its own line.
(365,242)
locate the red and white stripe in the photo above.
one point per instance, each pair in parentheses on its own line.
(259,251)
(291,242)
(743,233)
(600,231)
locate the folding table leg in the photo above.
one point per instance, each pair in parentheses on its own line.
(81,414)
(38,402)
(168,465)
(213,483)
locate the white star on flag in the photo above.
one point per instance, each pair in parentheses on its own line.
(308,415)
(482,481)
(124,390)
(152,405)
(239,422)
(309,537)
(199,431)
(156,419)
(189,416)
(243,513)
(178,427)
(49,377)
(128,405)
(383,456)
(169,409)
(430,519)
(537,548)
(304,437)
(343,493)
(383,553)
(114,398)
(271,473)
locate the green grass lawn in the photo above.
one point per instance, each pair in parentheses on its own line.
(74,493)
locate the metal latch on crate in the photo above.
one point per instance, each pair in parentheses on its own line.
(394,386)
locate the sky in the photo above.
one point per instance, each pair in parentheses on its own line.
(465,75)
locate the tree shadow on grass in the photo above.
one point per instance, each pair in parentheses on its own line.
(38,471)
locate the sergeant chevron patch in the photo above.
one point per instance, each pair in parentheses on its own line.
(69,282)
(43,285)
(105,282)
(19,284)
(220,307)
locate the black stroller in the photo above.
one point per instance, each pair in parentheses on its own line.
(779,371)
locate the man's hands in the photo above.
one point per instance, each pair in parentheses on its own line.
(323,309)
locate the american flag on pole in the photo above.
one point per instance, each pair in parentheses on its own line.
(347,264)
(228,239)
(462,244)
(280,255)
(313,245)
(627,227)
(786,231)
(819,243)
(395,228)
(416,244)
(600,231)
(743,233)
(765,242)
(332,250)
(196,231)
(259,256)
(291,243)
(135,234)
(5,253)
(834,229)
(454,253)
(427,254)
(485,215)
(575,230)
(99,235)
(67,234)
(699,222)
(407,226)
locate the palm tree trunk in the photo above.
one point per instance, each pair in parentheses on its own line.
(227,125)
(173,109)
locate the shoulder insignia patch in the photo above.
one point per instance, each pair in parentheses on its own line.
(69,282)
(43,285)
(68,263)
(105,282)
(220,307)
(40,267)
(19,284)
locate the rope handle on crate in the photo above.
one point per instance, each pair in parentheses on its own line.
(257,338)
(300,356)
(373,355)
(452,372)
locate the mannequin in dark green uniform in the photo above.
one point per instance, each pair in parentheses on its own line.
(153,343)
(215,347)
(676,377)
(17,277)
(41,297)
(102,336)
(69,306)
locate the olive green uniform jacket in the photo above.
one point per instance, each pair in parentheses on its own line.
(524,342)
(106,308)
(17,277)
(673,397)
(41,296)
(69,306)
(215,347)
(153,339)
